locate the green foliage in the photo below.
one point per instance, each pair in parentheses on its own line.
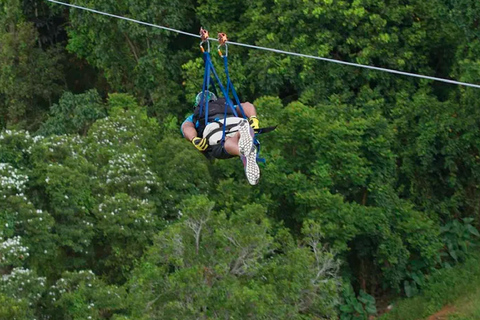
(384,33)
(458,239)
(335,165)
(124,227)
(15,147)
(443,287)
(356,308)
(30,77)
(377,171)
(13,309)
(437,150)
(134,58)
(467,307)
(73,114)
(211,265)
(82,295)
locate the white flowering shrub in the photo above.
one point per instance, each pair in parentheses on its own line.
(126,227)
(15,146)
(127,125)
(131,174)
(113,131)
(64,178)
(12,253)
(92,298)
(12,182)
(23,284)
(20,218)
(123,216)
(70,282)
(12,188)
(58,149)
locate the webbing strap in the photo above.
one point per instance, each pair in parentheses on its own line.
(206,84)
(257,144)
(221,127)
(204,96)
(230,86)
(234,92)
(205,73)
(222,88)
(224,126)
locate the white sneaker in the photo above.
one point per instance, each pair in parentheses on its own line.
(248,152)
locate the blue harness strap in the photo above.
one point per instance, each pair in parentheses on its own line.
(222,88)
(230,86)
(205,86)
(237,100)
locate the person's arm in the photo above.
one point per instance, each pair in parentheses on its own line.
(188,130)
(190,133)
(251,114)
(249,109)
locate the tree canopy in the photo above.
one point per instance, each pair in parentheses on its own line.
(372,180)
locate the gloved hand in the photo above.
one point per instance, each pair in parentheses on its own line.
(200,143)
(254,122)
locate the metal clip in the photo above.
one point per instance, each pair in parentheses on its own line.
(204,36)
(222,40)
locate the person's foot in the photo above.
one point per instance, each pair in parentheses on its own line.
(248,153)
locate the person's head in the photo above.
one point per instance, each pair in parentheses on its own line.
(208,95)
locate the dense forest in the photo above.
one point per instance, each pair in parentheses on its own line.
(371,182)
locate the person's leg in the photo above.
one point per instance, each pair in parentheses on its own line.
(248,152)
(231,140)
(231,145)
(241,144)
(218,152)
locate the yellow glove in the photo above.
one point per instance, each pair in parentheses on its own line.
(200,144)
(254,122)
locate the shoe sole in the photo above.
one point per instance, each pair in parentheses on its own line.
(249,152)
(245,142)
(252,171)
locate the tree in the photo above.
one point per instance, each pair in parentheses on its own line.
(212,265)
(31,78)
(135,59)
(73,114)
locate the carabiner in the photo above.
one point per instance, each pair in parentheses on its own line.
(222,40)
(204,37)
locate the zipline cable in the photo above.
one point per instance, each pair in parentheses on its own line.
(274,50)
(124,18)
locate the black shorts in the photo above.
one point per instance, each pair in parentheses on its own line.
(217,152)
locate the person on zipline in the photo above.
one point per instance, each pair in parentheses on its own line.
(239,133)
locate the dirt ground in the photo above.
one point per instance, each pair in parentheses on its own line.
(442,314)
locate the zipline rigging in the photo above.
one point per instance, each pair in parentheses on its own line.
(224,127)
(409,74)
(231,105)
